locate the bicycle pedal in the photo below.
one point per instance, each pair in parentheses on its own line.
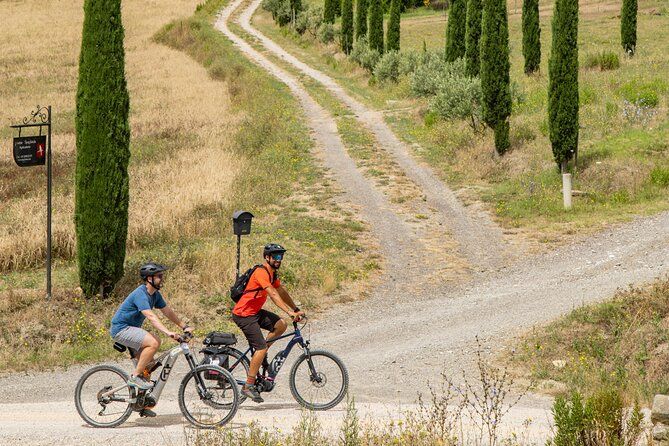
(146,413)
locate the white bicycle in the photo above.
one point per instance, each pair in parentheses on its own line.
(104,399)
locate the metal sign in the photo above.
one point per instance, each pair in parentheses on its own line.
(36,151)
(30,150)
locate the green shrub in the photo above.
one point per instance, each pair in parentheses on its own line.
(309,21)
(364,56)
(660,176)
(628,21)
(388,67)
(409,61)
(601,419)
(432,68)
(458,97)
(604,60)
(280,9)
(326,33)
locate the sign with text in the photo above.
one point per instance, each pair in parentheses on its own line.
(30,150)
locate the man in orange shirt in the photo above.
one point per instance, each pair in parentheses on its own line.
(250,317)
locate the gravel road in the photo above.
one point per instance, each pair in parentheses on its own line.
(413,326)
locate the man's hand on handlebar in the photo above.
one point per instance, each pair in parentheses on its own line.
(297,316)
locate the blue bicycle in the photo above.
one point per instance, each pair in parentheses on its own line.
(318,379)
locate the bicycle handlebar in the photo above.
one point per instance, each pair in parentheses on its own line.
(187,336)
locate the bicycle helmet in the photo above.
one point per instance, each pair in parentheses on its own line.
(272,248)
(151,269)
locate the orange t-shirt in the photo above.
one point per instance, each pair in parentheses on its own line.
(252,302)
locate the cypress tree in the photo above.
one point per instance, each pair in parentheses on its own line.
(347,26)
(393,34)
(473,37)
(329,10)
(455,30)
(375,29)
(531,36)
(495,82)
(103,138)
(360,19)
(563,82)
(628,26)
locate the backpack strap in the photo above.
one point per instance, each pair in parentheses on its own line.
(257,290)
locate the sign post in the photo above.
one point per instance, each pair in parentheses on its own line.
(36,151)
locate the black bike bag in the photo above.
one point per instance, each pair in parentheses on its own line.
(220,338)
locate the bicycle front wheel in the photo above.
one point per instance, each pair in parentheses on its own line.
(101,396)
(205,402)
(318,381)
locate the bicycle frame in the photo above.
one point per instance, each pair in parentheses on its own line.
(170,357)
(280,357)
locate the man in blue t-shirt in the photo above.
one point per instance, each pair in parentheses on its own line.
(126,325)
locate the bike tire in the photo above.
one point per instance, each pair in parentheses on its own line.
(232,407)
(340,395)
(235,354)
(77,396)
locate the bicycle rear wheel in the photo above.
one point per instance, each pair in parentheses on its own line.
(94,406)
(318,381)
(208,403)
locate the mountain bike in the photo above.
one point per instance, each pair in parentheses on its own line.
(104,399)
(318,379)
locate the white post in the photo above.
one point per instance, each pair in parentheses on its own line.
(566,190)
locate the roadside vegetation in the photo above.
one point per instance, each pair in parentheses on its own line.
(623,118)
(622,343)
(211,133)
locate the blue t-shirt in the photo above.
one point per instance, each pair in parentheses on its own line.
(129,314)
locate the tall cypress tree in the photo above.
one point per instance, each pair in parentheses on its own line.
(347,26)
(393,34)
(329,10)
(531,36)
(473,37)
(103,138)
(495,81)
(375,29)
(628,26)
(563,82)
(360,19)
(455,30)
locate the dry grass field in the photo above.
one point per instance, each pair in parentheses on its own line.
(193,144)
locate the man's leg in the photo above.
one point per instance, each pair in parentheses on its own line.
(279,329)
(150,345)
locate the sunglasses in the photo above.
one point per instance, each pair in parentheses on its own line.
(277,256)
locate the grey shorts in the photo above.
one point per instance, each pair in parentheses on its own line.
(131,337)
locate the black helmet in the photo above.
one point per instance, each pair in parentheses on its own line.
(272,248)
(151,269)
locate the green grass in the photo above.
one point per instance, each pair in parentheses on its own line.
(621,343)
(524,188)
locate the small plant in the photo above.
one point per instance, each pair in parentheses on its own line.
(364,56)
(326,33)
(350,428)
(458,98)
(309,21)
(604,60)
(431,71)
(409,61)
(280,10)
(388,67)
(601,420)
(660,176)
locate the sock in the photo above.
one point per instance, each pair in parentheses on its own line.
(250,380)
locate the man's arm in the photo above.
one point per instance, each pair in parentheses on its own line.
(151,316)
(286,297)
(276,298)
(171,315)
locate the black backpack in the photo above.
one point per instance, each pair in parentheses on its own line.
(237,290)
